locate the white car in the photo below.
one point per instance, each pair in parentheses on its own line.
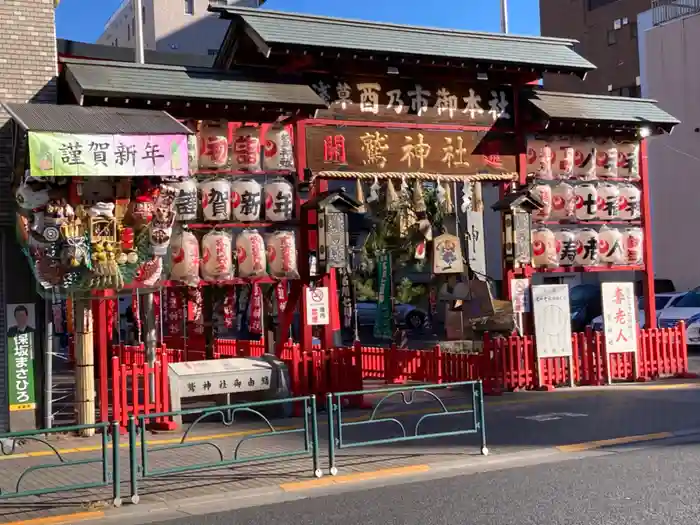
(686,309)
(663,301)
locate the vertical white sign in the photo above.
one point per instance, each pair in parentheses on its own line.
(317,306)
(520,293)
(474,235)
(619,317)
(550,304)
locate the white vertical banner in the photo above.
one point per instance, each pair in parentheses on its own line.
(620,317)
(520,298)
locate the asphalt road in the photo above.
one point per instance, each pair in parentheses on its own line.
(656,485)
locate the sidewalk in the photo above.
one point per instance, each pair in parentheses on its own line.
(506,432)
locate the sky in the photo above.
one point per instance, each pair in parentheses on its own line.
(84,20)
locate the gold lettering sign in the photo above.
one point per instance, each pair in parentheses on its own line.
(398,99)
(366,149)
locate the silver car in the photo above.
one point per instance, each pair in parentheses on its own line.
(405,315)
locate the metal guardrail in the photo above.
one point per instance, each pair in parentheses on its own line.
(336,400)
(110,472)
(139,463)
(666,10)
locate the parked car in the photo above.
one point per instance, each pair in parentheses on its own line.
(663,300)
(404,315)
(686,309)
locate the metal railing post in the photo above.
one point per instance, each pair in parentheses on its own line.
(331,435)
(116,466)
(314,439)
(133,462)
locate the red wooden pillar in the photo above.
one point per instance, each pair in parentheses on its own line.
(102,333)
(649,292)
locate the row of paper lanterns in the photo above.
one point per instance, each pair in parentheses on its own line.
(274,255)
(211,149)
(587,247)
(241,199)
(588,201)
(566,158)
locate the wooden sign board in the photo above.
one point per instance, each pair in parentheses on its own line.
(405,100)
(370,149)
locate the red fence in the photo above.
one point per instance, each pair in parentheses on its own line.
(504,364)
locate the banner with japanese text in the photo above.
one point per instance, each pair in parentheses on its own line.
(382,323)
(550,306)
(619,317)
(20,357)
(78,155)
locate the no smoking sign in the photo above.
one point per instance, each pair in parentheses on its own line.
(317,306)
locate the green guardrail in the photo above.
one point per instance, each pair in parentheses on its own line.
(336,400)
(139,462)
(110,472)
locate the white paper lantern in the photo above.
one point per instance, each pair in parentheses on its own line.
(563,201)
(217,256)
(585,159)
(216,200)
(540,158)
(586,201)
(634,245)
(586,247)
(184,258)
(630,202)
(278,154)
(250,254)
(608,201)
(611,246)
(282,255)
(279,200)
(246,197)
(544,193)
(213,145)
(606,160)
(628,160)
(186,200)
(544,248)
(563,159)
(565,241)
(246,149)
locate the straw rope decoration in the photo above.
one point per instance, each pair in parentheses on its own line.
(478,177)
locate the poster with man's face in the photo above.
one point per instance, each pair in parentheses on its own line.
(21,325)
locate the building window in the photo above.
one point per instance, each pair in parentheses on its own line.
(595,4)
(212,52)
(633,30)
(612,37)
(189,7)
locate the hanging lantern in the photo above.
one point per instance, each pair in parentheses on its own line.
(282,255)
(184,258)
(544,193)
(279,152)
(186,200)
(279,200)
(608,201)
(246,149)
(586,247)
(606,160)
(634,241)
(217,260)
(563,201)
(563,168)
(216,200)
(213,145)
(630,202)
(544,248)
(611,246)
(628,160)
(250,254)
(585,154)
(565,241)
(540,158)
(586,201)
(246,198)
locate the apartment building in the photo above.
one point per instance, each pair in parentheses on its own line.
(669,40)
(608,34)
(183,26)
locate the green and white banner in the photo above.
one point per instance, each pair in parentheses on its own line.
(20,357)
(382,323)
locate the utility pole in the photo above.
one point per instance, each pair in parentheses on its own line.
(138,30)
(504,16)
